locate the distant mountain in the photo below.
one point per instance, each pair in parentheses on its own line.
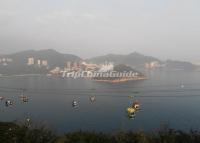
(122,68)
(180,65)
(20,59)
(138,61)
(134,60)
(53,57)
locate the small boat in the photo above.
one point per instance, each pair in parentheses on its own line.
(74,103)
(136,105)
(28,119)
(8,103)
(131,116)
(24,98)
(92,98)
(131,96)
(1,98)
(131,112)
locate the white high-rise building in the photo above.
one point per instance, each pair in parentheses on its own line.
(75,65)
(106,67)
(30,61)
(68,65)
(39,62)
(44,63)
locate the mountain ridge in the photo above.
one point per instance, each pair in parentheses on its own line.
(57,59)
(19,64)
(134,59)
(52,56)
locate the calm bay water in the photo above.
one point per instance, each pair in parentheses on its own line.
(50,102)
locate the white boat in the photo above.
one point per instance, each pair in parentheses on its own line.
(74,103)
(182,85)
(92,98)
(8,103)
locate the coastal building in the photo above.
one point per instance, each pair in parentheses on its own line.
(196,63)
(56,71)
(152,65)
(39,62)
(75,65)
(68,66)
(30,61)
(45,63)
(147,65)
(4,60)
(106,67)
(90,67)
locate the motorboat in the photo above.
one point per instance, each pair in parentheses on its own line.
(136,105)
(92,98)
(182,85)
(8,103)
(1,98)
(24,98)
(131,112)
(75,103)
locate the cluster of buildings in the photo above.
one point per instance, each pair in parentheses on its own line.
(71,66)
(153,65)
(196,63)
(83,66)
(5,61)
(106,67)
(76,66)
(38,62)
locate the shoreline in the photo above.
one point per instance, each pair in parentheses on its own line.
(121,80)
(21,75)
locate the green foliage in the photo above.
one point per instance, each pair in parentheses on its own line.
(14,133)
(167,136)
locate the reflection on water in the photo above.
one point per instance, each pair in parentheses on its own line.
(68,105)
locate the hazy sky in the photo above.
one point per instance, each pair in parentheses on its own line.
(161,28)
